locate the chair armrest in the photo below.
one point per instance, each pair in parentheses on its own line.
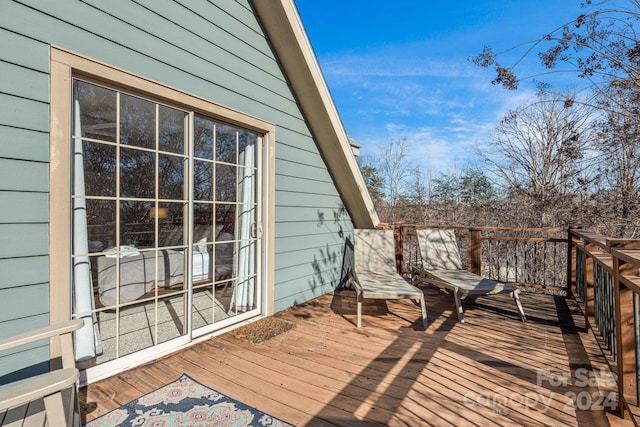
(61,343)
(38,387)
(40,334)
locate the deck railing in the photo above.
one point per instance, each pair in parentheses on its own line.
(601,273)
(532,258)
(605,277)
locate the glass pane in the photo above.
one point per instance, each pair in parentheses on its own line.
(224,254)
(97,112)
(203,304)
(171,130)
(210,303)
(204,230)
(245,284)
(226,178)
(99,165)
(247,184)
(136,327)
(146,273)
(203,214)
(137,121)
(137,238)
(137,173)
(101,224)
(136,227)
(171,179)
(226,143)
(107,325)
(203,138)
(171,318)
(202,180)
(246,138)
(171,225)
(226,221)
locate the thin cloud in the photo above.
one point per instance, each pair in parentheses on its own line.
(445,108)
(393,63)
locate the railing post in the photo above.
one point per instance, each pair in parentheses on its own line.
(625,338)
(571,263)
(625,328)
(398,231)
(475,251)
(589,296)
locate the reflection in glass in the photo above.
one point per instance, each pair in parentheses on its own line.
(226,217)
(171,224)
(101,224)
(203,213)
(135,227)
(245,138)
(226,143)
(171,181)
(204,228)
(137,121)
(226,178)
(97,111)
(137,173)
(152,212)
(99,161)
(203,138)
(171,130)
(202,180)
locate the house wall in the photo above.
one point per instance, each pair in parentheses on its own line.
(195,46)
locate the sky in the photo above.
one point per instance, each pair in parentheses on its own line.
(400,69)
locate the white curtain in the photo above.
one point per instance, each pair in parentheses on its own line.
(244,293)
(86,339)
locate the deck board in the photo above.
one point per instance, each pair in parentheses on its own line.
(325,371)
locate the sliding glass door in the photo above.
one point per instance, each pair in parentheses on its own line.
(165,222)
(224,188)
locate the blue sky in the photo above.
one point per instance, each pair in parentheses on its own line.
(400,69)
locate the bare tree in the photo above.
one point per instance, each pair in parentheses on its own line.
(600,46)
(396,168)
(543,154)
(620,145)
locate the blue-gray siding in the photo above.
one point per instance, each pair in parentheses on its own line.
(213,49)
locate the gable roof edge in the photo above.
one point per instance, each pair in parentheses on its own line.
(285,30)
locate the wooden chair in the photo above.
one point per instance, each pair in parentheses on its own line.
(374,271)
(56,388)
(442,266)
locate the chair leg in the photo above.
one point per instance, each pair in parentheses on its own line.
(459,310)
(515,294)
(54,408)
(423,307)
(359,303)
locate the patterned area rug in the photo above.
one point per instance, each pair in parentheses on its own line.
(186,403)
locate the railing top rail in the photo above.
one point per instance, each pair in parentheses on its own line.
(603,242)
(626,243)
(630,255)
(525,239)
(482,228)
(589,237)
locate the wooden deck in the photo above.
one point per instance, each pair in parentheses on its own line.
(491,370)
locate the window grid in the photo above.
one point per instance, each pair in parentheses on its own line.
(188,157)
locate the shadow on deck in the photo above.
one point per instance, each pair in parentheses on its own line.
(491,370)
